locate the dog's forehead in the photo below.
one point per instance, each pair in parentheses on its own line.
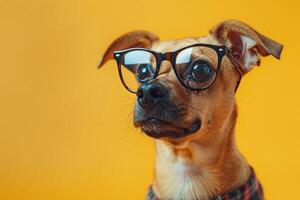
(173,45)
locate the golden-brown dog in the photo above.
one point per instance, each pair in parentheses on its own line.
(192,114)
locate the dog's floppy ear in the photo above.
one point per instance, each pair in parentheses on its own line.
(132,39)
(245,44)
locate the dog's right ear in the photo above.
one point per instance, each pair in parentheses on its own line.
(245,44)
(142,39)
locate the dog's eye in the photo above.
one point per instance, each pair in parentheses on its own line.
(144,72)
(201,71)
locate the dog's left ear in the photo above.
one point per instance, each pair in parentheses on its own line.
(245,44)
(132,39)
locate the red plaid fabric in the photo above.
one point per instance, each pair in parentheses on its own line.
(251,190)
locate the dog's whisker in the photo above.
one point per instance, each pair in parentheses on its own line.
(129,130)
(130,117)
(127,106)
(139,138)
(129,126)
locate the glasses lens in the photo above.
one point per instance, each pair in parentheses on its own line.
(196,66)
(137,67)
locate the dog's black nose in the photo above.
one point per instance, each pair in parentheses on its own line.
(150,93)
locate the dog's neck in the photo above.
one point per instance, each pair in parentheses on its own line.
(200,170)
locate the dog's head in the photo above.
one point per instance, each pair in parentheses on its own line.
(166,107)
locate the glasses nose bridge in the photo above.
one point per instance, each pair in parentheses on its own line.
(166,56)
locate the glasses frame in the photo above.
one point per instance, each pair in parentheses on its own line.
(171,56)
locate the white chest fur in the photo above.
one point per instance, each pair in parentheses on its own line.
(180,178)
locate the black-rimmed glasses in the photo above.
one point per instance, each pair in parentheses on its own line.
(196,66)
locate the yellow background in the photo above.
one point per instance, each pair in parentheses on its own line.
(65,127)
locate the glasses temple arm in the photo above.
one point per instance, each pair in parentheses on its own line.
(236,65)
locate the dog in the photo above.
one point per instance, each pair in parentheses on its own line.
(185,100)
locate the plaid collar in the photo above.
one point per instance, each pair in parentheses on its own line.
(251,190)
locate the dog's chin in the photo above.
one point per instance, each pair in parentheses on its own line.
(160,129)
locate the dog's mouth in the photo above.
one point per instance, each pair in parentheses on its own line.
(158,128)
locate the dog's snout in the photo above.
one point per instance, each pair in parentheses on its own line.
(150,93)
